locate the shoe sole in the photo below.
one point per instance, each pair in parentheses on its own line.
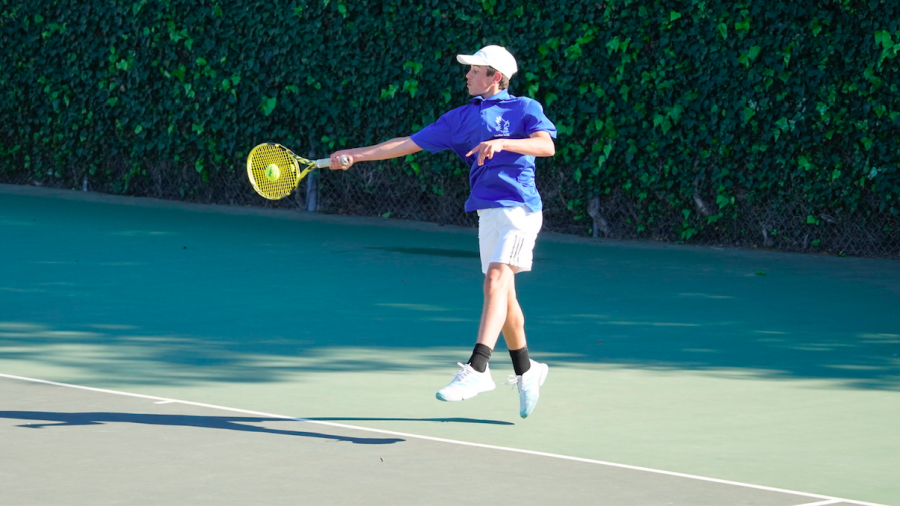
(444,398)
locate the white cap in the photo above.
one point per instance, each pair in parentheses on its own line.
(491,56)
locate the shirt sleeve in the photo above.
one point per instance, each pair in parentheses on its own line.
(536,121)
(436,136)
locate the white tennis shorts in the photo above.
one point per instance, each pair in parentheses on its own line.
(507,234)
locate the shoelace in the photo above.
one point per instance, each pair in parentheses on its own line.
(512,380)
(463,372)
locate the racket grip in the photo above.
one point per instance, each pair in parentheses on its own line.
(325,162)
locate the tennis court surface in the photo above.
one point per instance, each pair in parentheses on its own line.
(156,352)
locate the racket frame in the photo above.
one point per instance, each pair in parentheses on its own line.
(297,162)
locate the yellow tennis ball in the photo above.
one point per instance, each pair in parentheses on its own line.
(272,173)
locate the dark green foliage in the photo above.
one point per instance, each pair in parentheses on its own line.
(699,119)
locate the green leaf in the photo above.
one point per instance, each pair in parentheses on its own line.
(613,45)
(883,37)
(749,112)
(411,86)
(550,98)
(415,66)
(389,91)
(753,52)
(268,105)
(610,75)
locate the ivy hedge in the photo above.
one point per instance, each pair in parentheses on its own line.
(704,119)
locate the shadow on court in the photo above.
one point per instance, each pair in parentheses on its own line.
(783,350)
(448,253)
(122,454)
(441,420)
(317,315)
(239,298)
(54,419)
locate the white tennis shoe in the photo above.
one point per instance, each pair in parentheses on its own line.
(467,384)
(529,385)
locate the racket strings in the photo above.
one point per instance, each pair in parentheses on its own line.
(261,159)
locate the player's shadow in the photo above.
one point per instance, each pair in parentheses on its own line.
(444,420)
(243,424)
(450,253)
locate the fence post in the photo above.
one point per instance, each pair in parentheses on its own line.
(312,191)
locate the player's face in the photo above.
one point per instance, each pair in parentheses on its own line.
(477,80)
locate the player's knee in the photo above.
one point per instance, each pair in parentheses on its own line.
(496,280)
(491,285)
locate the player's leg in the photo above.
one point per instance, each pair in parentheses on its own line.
(506,238)
(514,324)
(529,374)
(499,281)
(474,377)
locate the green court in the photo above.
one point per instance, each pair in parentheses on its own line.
(160,352)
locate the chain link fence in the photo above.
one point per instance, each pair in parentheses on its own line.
(392,191)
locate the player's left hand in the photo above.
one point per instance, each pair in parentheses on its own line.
(487,149)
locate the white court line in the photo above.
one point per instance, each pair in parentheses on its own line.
(826,499)
(821,503)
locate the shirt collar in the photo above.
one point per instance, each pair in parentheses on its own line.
(499,97)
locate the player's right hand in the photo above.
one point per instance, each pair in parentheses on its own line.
(336,160)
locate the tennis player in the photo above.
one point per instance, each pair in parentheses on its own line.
(498,135)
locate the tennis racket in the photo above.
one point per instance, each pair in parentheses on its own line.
(275,171)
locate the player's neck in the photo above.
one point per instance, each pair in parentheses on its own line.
(490,92)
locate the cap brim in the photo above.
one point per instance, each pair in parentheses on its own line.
(467,59)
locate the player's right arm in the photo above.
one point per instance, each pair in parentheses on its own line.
(394,148)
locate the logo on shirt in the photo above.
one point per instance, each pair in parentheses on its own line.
(502,126)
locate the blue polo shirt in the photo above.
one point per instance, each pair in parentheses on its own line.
(507,179)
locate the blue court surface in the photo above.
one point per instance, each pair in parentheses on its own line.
(155,352)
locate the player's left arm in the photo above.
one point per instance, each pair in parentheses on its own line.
(537,144)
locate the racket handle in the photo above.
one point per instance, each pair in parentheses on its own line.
(325,162)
